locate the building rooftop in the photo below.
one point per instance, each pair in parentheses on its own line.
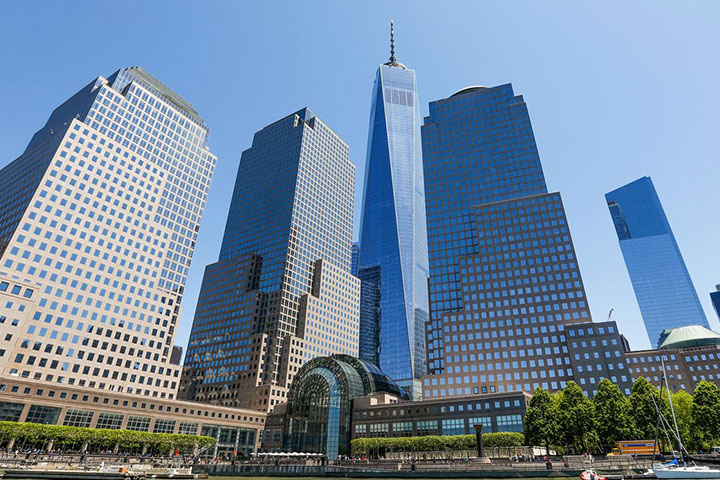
(688,337)
(470,89)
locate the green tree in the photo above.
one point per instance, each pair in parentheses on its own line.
(705,412)
(541,420)
(682,403)
(643,400)
(576,420)
(612,415)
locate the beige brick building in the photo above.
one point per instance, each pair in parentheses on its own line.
(98,223)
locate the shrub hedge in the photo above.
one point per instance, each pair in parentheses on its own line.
(75,438)
(430,443)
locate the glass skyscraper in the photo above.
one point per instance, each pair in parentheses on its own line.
(98,223)
(663,288)
(393,236)
(715,299)
(281,292)
(504,280)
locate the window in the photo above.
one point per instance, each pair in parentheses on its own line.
(188,428)
(139,424)
(112,421)
(402,429)
(378,429)
(453,426)
(164,426)
(78,418)
(486,423)
(10,412)
(427,427)
(509,423)
(42,414)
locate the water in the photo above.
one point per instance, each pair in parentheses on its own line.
(369,478)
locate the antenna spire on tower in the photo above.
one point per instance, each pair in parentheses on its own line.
(392,43)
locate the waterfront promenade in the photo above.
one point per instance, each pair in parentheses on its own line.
(569,466)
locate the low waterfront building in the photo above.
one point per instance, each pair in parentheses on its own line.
(24,400)
(338,398)
(691,354)
(598,350)
(383,415)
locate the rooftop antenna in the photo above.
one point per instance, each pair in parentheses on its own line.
(610,313)
(392,43)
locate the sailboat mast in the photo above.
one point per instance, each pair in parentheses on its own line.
(672,409)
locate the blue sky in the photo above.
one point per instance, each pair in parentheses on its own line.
(615,90)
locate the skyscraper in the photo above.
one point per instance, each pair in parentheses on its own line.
(355,258)
(99,220)
(393,237)
(281,292)
(504,280)
(715,299)
(663,288)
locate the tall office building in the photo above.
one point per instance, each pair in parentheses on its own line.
(715,299)
(355,257)
(393,237)
(98,223)
(281,292)
(504,280)
(662,284)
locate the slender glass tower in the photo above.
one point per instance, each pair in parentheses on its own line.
(393,236)
(663,288)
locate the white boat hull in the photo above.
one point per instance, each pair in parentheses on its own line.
(687,472)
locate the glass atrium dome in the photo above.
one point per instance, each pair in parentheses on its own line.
(320,402)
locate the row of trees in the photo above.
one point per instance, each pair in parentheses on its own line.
(570,422)
(435,443)
(19,436)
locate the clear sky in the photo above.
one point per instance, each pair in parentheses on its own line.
(616,90)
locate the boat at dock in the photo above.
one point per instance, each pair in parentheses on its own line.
(68,474)
(689,472)
(101,473)
(674,469)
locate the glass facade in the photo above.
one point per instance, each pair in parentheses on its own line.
(355,258)
(715,299)
(231,439)
(11,412)
(78,418)
(43,414)
(111,421)
(504,279)
(281,292)
(663,288)
(393,237)
(478,147)
(319,405)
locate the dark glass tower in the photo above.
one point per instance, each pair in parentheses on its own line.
(393,237)
(715,298)
(281,292)
(504,280)
(663,288)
